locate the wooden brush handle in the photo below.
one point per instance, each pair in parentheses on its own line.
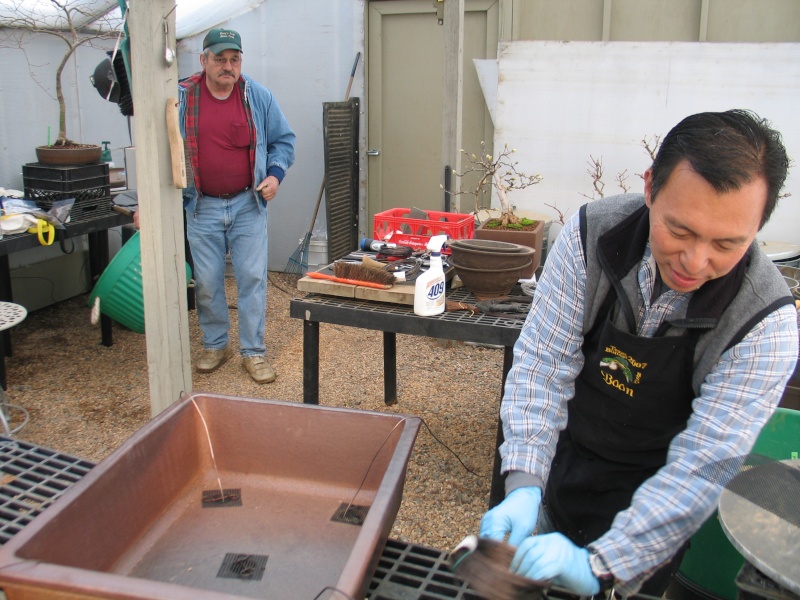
(369,284)
(175,145)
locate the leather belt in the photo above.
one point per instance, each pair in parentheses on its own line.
(233,195)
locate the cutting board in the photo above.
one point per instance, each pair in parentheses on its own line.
(399,293)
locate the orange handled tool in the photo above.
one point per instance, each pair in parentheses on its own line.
(369,284)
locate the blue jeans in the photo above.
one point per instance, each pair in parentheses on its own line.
(215,226)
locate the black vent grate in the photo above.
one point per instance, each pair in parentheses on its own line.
(351,514)
(340,124)
(247,567)
(229,497)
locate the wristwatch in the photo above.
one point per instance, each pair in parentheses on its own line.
(601,571)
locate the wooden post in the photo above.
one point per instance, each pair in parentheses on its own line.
(160,205)
(453,101)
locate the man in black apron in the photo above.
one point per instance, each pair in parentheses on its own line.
(659,342)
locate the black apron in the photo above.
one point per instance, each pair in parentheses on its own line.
(632,397)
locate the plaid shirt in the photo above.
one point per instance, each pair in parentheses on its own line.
(737,397)
(192,86)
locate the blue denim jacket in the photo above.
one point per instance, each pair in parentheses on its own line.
(275,139)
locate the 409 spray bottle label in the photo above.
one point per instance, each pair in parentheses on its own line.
(435,293)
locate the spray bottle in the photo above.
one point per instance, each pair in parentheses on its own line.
(429,287)
(105,155)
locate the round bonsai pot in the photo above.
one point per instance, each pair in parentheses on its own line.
(489,282)
(76,154)
(485,255)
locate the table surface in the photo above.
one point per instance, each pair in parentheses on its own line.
(11,314)
(101,219)
(759,511)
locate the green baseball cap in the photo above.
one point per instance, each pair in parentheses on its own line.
(219,39)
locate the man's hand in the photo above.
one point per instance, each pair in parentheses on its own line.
(136,219)
(552,557)
(516,516)
(268,188)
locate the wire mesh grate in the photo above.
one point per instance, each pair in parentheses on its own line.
(247,567)
(352,514)
(221,498)
(31,479)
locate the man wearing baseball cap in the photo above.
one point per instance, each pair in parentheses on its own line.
(239,146)
(220,39)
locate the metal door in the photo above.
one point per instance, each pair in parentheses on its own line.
(404,96)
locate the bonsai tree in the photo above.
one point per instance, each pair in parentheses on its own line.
(72,22)
(500,173)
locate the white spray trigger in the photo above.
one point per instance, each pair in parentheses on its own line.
(436,242)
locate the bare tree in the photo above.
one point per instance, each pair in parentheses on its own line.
(498,172)
(71,21)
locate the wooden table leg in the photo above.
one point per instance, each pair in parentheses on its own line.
(311,362)
(389,368)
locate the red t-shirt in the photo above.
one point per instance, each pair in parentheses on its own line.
(223,143)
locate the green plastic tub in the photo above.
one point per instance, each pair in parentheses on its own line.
(119,288)
(711,563)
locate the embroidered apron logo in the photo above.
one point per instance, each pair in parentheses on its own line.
(617,370)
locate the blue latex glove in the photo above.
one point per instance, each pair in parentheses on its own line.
(553,557)
(516,515)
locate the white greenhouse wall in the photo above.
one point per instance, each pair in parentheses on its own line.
(558,103)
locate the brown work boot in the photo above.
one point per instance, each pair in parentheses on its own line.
(211,360)
(259,369)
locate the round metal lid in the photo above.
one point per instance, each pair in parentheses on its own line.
(758,511)
(780,250)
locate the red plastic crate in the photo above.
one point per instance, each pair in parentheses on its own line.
(388,227)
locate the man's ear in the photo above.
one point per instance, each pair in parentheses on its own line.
(648,187)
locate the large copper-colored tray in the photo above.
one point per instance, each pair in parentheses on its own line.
(137,526)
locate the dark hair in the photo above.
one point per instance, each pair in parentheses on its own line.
(728,149)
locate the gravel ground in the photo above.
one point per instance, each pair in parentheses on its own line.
(85,399)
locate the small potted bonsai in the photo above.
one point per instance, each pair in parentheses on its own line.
(500,173)
(69,21)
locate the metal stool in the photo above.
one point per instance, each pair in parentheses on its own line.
(10,314)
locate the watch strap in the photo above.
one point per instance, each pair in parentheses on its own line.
(601,571)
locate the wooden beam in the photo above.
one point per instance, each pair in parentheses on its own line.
(160,204)
(453,101)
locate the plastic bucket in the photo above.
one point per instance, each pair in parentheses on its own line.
(120,287)
(711,563)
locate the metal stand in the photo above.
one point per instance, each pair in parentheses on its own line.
(10,315)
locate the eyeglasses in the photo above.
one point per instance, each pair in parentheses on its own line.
(221,62)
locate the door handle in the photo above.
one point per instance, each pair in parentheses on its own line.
(373,152)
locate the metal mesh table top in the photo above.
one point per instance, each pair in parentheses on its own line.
(31,479)
(459,325)
(11,314)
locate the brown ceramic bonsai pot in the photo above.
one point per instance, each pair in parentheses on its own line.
(532,239)
(71,154)
(489,254)
(308,498)
(488,282)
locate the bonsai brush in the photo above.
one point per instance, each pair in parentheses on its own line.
(356,274)
(484,565)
